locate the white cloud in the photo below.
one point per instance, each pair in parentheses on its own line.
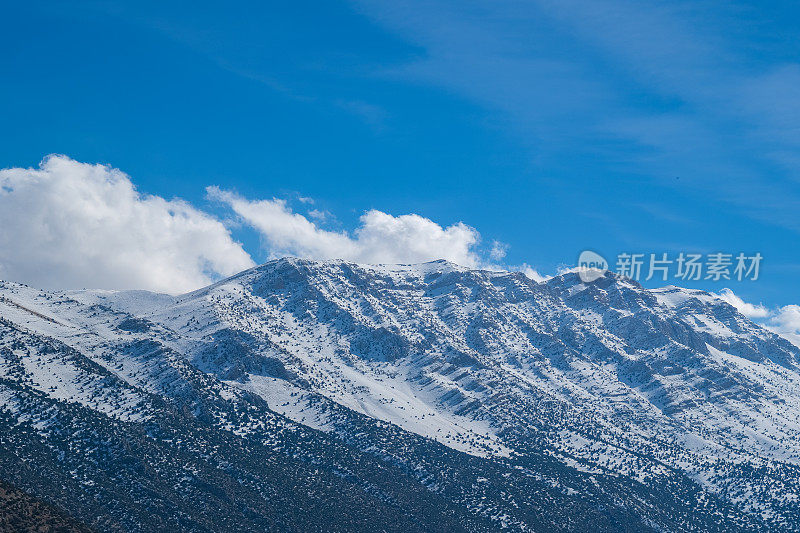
(380,237)
(70,225)
(786,322)
(319,215)
(498,251)
(747,309)
(533,274)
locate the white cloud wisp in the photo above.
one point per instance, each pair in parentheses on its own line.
(747,309)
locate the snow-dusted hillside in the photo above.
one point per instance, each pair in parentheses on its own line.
(666,405)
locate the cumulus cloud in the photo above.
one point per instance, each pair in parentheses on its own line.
(71,225)
(68,224)
(747,309)
(379,238)
(786,322)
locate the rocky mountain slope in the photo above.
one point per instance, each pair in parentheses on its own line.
(305,395)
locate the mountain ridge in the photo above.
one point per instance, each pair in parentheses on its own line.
(668,392)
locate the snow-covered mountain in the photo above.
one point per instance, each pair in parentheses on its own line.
(418,397)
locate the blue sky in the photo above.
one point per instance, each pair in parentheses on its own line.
(552,127)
